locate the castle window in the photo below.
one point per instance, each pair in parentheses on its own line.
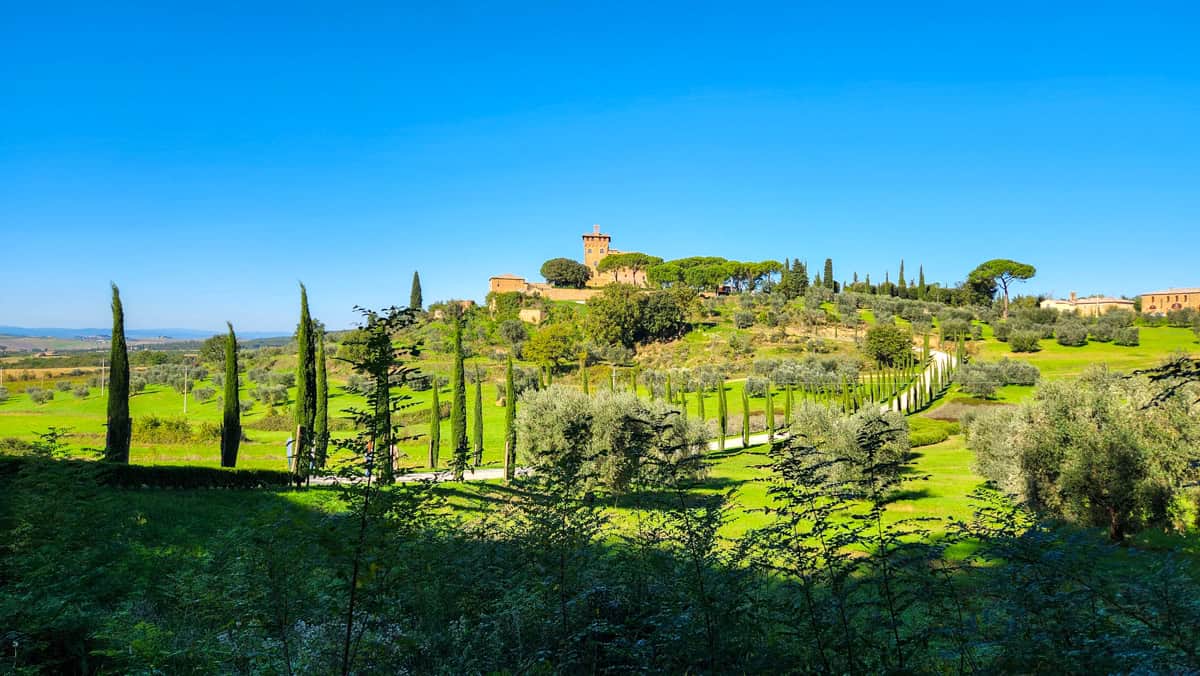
(589,251)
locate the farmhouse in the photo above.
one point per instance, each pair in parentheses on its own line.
(1092,306)
(596,247)
(1162,302)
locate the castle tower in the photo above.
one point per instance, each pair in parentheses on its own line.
(595,247)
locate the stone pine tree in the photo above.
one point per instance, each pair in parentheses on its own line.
(415,301)
(120,425)
(306,388)
(745,419)
(827,277)
(477,422)
(321,417)
(722,414)
(231,422)
(510,422)
(458,407)
(435,427)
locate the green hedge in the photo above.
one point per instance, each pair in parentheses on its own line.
(150,476)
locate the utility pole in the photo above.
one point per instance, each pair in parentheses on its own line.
(185,384)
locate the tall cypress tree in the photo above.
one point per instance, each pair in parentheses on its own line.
(231,422)
(722,414)
(745,418)
(583,374)
(700,403)
(510,422)
(120,425)
(903,284)
(921,283)
(787,406)
(770,415)
(435,427)
(828,276)
(321,418)
(306,387)
(801,277)
(458,407)
(477,423)
(415,301)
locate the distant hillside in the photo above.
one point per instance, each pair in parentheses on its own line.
(148,334)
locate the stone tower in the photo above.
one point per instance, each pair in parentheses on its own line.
(595,247)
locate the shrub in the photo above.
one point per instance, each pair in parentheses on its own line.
(3,393)
(887,344)
(1001,331)
(39,396)
(743,320)
(977,380)
(1127,337)
(158,430)
(1092,452)
(1071,334)
(928,437)
(756,386)
(981,378)
(81,392)
(1024,341)
(1102,332)
(951,329)
(602,439)
(838,435)
(62,385)
(203,394)
(1017,372)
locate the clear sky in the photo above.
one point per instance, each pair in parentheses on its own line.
(207,158)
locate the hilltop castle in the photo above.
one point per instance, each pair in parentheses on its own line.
(596,247)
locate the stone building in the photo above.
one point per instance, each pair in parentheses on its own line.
(1092,306)
(1162,302)
(596,246)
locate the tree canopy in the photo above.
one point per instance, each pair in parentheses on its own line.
(631,261)
(1003,272)
(566,273)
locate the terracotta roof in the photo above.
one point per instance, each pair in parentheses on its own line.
(1167,292)
(1101,300)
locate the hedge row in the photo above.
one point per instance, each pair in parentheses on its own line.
(151,476)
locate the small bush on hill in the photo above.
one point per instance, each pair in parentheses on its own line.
(743,320)
(81,392)
(39,396)
(1127,337)
(1072,334)
(1024,341)
(62,385)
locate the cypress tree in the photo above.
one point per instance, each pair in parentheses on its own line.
(435,427)
(670,399)
(722,414)
(231,422)
(903,284)
(415,301)
(770,415)
(700,403)
(120,425)
(787,406)
(306,388)
(745,418)
(801,277)
(612,379)
(583,374)
(321,419)
(458,406)
(828,276)
(921,282)
(510,422)
(477,423)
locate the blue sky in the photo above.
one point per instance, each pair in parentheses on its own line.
(347,144)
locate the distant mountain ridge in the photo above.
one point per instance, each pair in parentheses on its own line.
(171,333)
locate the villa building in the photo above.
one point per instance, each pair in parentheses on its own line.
(1162,302)
(596,247)
(1092,306)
